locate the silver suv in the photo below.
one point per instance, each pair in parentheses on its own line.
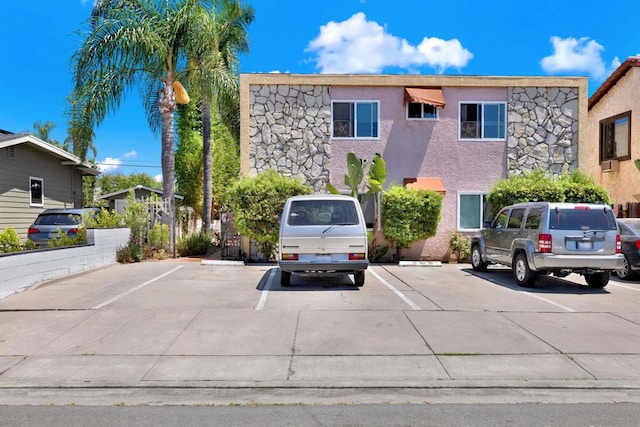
(551,238)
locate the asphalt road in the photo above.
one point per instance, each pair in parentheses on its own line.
(188,333)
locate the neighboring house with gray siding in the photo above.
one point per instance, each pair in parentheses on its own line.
(34,176)
(455,134)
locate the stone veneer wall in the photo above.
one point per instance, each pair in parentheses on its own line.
(542,130)
(290,129)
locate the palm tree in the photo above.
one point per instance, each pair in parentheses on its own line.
(213,72)
(134,44)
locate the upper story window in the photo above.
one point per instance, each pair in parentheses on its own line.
(356,119)
(36,193)
(417,111)
(482,120)
(615,137)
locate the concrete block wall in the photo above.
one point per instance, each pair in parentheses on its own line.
(19,271)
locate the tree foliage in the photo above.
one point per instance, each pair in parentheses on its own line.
(225,164)
(257,204)
(189,156)
(538,186)
(409,215)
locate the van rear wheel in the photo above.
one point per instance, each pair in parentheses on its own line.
(358,278)
(597,280)
(521,272)
(285,278)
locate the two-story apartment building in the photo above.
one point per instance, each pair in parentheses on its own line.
(454,134)
(613,142)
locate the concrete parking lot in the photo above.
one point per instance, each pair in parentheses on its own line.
(420,331)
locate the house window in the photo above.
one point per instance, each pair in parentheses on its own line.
(36,193)
(473,211)
(417,110)
(357,119)
(615,137)
(482,120)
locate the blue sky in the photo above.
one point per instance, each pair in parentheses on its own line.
(462,37)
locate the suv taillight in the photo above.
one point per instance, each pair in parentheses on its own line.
(619,244)
(32,230)
(638,244)
(544,243)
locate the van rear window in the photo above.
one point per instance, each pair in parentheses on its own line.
(578,219)
(322,212)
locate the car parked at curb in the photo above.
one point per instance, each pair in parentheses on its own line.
(540,238)
(322,235)
(629,229)
(49,221)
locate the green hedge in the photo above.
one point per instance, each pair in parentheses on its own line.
(257,204)
(538,186)
(409,215)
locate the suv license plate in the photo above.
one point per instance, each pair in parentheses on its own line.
(582,246)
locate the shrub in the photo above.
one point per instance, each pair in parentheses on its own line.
(104,218)
(158,236)
(257,203)
(63,239)
(459,245)
(409,215)
(128,254)
(9,241)
(194,244)
(538,186)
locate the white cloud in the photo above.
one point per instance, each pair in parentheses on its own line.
(109,164)
(130,154)
(158,178)
(360,46)
(582,55)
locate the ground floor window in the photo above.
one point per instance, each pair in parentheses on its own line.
(36,191)
(472,211)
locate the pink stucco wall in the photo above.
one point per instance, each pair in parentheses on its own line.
(417,148)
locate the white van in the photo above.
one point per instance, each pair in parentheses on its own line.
(322,235)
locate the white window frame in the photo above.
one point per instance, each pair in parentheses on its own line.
(355,112)
(482,104)
(483,203)
(437,117)
(31,203)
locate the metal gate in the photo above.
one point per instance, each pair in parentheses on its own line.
(230,245)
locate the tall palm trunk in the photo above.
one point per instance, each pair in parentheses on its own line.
(207,165)
(167,107)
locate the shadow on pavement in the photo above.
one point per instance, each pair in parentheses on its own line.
(271,281)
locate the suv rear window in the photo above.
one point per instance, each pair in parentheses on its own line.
(322,212)
(59,219)
(579,218)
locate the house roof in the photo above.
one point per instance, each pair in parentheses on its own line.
(8,139)
(137,187)
(629,63)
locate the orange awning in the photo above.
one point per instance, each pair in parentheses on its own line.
(432,96)
(425,183)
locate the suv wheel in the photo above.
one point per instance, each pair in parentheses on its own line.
(597,280)
(476,259)
(285,278)
(521,272)
(358,278)
(625,272)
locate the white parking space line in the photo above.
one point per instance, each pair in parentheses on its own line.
(624,286)
(402,296)
(148,282)
(265,292)
(570,310)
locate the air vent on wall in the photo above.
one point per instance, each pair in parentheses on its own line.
(11,151)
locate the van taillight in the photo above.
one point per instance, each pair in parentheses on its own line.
(619,244)
(356,256)
(73,230)
(290,257)
(32,230)
(637,244)
(544,243)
